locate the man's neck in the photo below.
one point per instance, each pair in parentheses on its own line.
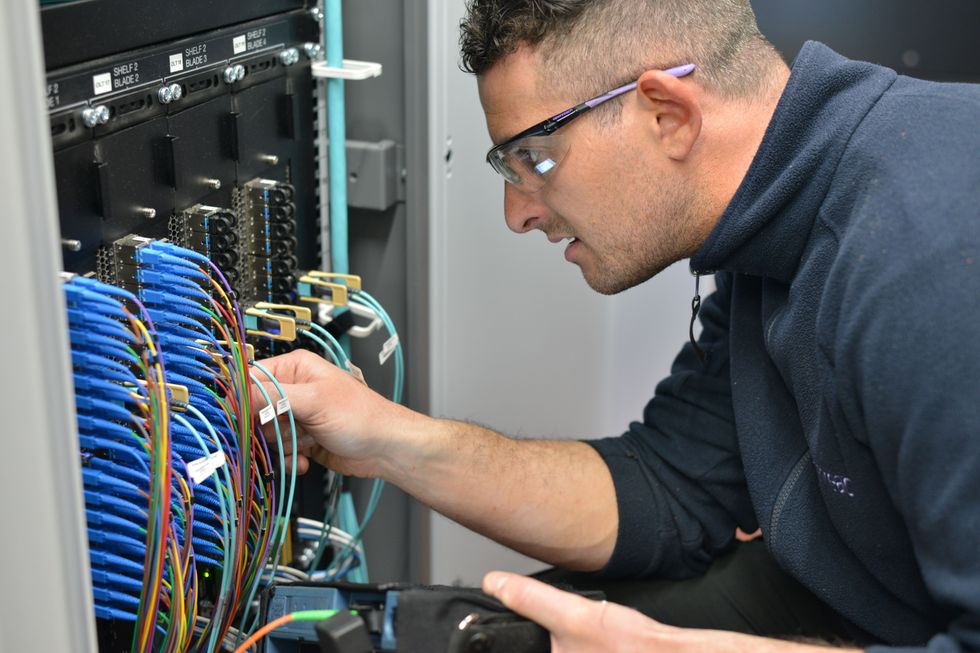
(734,133)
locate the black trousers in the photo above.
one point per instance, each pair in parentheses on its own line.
(744,591)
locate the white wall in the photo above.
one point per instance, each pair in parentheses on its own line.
(519,341)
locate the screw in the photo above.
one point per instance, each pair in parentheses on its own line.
(90,117)
(312,50)
(103,113)
(229,75)
(271,159)
(71,245)
(239,72)
(165,95)
(289,56)
(213,183)
(147,213)
(316,14)
(176,91)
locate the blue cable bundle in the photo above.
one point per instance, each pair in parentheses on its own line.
(171,290)
(174,483)
(116,470)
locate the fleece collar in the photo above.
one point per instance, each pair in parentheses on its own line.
(766,226)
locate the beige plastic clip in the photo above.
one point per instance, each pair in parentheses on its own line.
(287,326)
(300,313)
(352,281)
(338,291)
(177,393)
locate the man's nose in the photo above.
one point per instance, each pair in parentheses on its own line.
(522,211)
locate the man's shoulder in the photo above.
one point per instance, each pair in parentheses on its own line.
(917,123)
(908,184)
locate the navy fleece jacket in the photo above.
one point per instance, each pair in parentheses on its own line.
(839,409)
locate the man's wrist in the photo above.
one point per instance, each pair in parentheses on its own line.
(409,439)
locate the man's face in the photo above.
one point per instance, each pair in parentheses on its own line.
(625,204)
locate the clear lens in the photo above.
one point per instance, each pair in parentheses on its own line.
(527,162)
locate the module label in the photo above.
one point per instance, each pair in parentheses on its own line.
(80,84)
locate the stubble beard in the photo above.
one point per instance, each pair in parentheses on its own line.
(655,242)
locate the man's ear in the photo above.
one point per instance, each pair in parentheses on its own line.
(673,111)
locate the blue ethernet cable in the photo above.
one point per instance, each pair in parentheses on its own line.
(96,443)
(103,519)
(107,467)
(113,601)
(155,258)
(100,349)
(96,425)
(108,366)
(105,561)
(121,545)
(98,386)
(108,579)
(92,341)
(102,407)
(77,296)
(114,505)
(120,488)
(85,320)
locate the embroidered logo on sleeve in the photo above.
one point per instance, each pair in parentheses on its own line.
(838,483)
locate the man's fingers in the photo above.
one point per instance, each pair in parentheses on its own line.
(301,461)
(551,608)
(304,400)
(300,366)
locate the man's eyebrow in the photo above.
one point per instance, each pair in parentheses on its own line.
(512,135)
(498,141)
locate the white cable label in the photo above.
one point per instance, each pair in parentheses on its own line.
(282,406)
(267,414)
(356,372)
(388,349)
(202,468)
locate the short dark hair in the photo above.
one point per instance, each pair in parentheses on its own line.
(590,46)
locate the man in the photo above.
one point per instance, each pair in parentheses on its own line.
(833,397)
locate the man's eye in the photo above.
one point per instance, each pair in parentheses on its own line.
(526,155)
(537,160)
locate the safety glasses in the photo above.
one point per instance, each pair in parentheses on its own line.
(526,159)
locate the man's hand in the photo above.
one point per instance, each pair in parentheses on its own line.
(578,625)
(553,500)
(340,420)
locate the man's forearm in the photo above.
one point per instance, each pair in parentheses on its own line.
(553,500)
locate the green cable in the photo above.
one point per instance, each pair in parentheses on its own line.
(336,343)
(317,615)
(282,458)
(292,477)
(277,530)
(326,348)
(332,500)
(365,299)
